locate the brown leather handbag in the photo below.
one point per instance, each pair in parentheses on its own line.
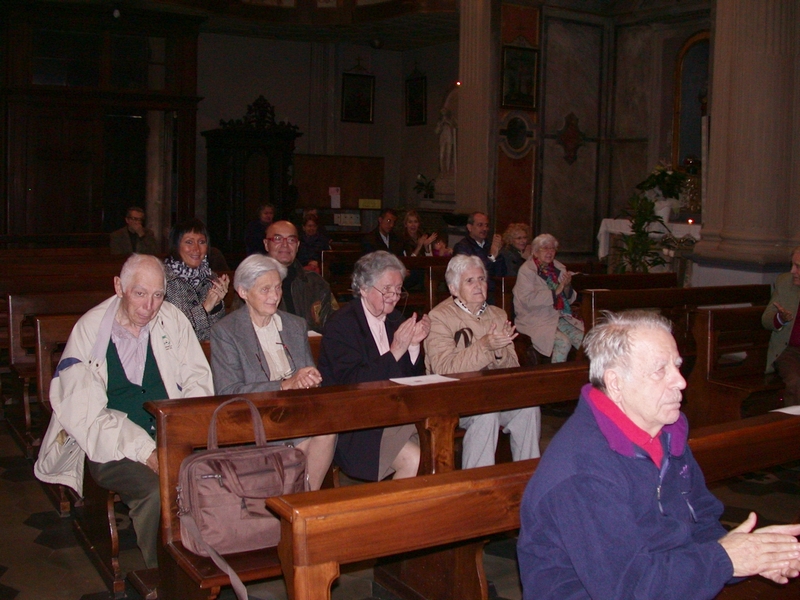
(221,494)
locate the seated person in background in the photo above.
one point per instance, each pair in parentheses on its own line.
(368,340)
(134,237)
(516,247)
(618,507)
(383,236)
(312,243)
(305,293)
(416,242)
(780,317)
(255,230)
(191,284)
(475,244)
(259,348)
(469,335)
(132,348)
(439,247)
(542,299)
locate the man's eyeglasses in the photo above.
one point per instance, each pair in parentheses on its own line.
(292,240)
(388,293)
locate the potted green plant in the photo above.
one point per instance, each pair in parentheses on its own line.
(639,251)
(425,186)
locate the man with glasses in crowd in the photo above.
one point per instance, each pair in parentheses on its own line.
(383,236)
(305,293)
(134,237)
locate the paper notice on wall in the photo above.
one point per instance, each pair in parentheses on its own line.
(336,197)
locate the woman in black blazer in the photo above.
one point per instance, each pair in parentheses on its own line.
(368,340)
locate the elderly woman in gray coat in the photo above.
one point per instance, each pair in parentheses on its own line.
(259,348)
(543,296)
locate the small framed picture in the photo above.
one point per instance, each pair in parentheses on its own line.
(417,100)
(358,97)
(519,77)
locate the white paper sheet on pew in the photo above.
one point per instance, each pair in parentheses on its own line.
(789,410)
(422,379)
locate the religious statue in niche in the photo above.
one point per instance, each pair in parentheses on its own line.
(446,136)
(446,130)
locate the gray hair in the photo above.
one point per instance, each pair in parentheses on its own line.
(138,262)
(542,239)
(253,267)
(456,267)
(369,268)
(608,344)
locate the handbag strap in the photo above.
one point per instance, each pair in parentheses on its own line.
(258,424)
(187,520)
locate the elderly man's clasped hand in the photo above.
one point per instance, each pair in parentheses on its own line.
(772,552)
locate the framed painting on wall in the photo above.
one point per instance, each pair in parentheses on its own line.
(358,97)
(519,77)
(417,100)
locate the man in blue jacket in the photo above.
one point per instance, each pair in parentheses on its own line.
(618,507)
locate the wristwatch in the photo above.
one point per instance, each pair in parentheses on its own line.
(492,257)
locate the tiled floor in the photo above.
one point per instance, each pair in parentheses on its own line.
(40,558)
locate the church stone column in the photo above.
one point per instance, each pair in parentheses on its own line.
(751,217)
(476,107)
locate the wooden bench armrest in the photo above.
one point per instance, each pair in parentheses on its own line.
(340,524)
(737,447)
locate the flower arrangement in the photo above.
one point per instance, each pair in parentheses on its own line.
(665,180)
(425,186)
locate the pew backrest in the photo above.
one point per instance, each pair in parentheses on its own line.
(677,304)
(52,333)
(583,281)
(22,306)
(732,348)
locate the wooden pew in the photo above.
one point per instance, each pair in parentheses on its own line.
(321,530)
(585,281)
(56,282)
(336,267)
(55,240)
(23,361)
(101,265)
(677,304)
(51,254)
(732,350)
(182,427)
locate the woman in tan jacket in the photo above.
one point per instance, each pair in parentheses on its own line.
(467,334)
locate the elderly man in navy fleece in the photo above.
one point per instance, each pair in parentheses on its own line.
(618,507)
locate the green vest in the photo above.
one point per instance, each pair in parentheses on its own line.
(128,397)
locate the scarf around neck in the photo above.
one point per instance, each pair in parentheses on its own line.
(550,275)
(194,276)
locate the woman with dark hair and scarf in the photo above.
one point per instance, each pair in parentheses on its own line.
(543,296)
(191,284)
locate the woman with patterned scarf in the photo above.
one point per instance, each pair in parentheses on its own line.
(191,284)
(542,298)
